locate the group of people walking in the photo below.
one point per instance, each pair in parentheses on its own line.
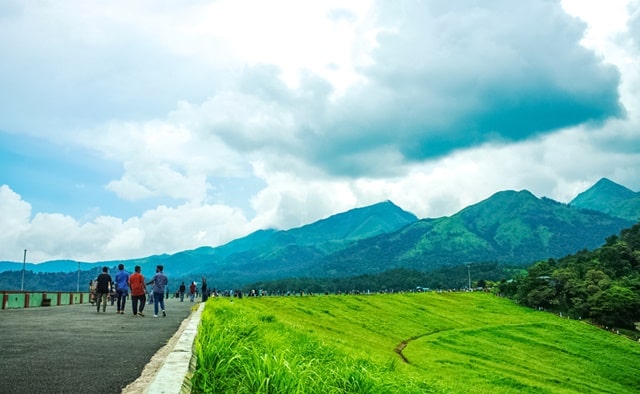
(193,291)
(126,283)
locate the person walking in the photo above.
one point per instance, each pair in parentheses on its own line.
(192,291)
(159,282)
(103,288)
(204,290)
(122,288)
(92,291)
(183,288)
(138,292)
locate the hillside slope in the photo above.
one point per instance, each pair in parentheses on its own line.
(293,252)
(405,343)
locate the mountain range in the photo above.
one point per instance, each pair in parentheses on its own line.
(513,227)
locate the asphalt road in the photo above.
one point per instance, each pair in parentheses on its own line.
(74,349)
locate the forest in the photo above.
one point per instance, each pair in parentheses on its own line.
(602,285)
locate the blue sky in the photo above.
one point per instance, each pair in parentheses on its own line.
(135,129)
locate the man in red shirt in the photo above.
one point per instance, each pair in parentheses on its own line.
(138,292)
(192,291)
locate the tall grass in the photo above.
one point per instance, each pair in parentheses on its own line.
(241,351)
(409,343)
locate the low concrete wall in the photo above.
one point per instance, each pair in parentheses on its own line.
(35,299)
(28,299)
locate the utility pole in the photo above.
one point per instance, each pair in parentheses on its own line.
(469,275)
(24,263)
(78,287)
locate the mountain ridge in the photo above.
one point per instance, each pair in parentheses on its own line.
(508,227)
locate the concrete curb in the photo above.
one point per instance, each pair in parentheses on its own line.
(177,362)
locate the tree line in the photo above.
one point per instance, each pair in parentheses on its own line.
(482,275)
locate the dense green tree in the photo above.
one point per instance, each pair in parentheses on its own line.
(632,236)
(616,306)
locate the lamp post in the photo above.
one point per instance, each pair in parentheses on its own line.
(78,287)
(24,263)
(469,274)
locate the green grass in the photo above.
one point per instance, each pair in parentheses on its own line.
(405,343)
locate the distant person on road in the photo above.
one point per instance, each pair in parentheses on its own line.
(138,292)
(103,288)
(183,288)
(159,282)
(192,291)
(122,288)
(205,293)
(113,296)
(92,291)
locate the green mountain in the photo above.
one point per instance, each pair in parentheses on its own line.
(274,254)
(609,197)
(509,227)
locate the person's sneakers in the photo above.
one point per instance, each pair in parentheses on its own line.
(164,314)
(155,315)
(140,314)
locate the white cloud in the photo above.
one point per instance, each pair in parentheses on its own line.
(320,107)
(162,230)
(15,215)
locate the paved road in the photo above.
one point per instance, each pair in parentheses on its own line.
(74,349)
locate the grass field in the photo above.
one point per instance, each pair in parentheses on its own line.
(405,343)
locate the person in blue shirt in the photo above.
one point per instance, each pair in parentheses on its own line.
(159,282)
(122,288)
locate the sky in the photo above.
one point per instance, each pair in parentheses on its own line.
(129,129)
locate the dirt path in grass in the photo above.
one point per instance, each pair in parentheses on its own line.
(404,344)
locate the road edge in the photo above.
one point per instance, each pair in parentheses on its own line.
(169,371)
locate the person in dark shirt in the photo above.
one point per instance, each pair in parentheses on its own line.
(205,290)
(183,288)
(103,288)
